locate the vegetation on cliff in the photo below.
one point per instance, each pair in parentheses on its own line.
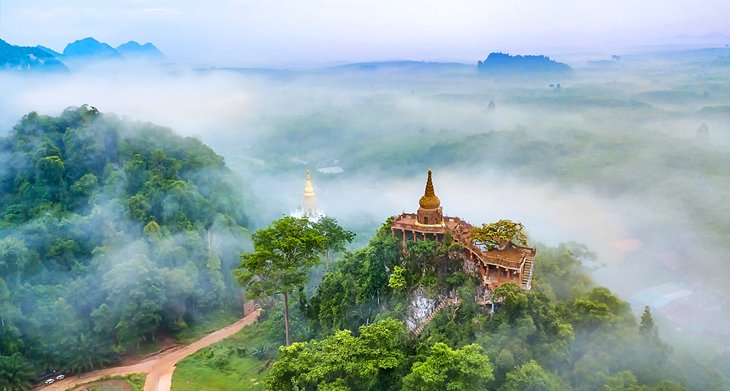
(564,334)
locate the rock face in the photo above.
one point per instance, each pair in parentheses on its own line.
(421,307)
(24,58)
(502,63)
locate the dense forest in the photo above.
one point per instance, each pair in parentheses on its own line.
(564,334)
(111,233)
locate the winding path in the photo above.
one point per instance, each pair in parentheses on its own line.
(159,368)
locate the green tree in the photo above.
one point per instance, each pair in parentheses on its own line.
(16,373)
(283,254)
(17,260)
(559,271)
(335,235)
(499,234)
(50,173)
(450,369)
(647,326)
(87,354)
(178,288)
(10,341)
(513,300)
(397,280)
(85,185)
(151,230)
(342,361)
(600,307)
(103,320)
(620,381)
(532,377)
(356,291)
(137,294)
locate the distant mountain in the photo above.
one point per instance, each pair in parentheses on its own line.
(502,63)
(50,51)
(91,48)
(402,65)
(705,54)
(24,58)
(133,49)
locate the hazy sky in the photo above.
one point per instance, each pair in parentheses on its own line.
(301,32)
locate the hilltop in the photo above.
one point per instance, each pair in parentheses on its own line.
(24,58)
(133,49)
(90,48)
(112,234)
(565,334)
(502,63)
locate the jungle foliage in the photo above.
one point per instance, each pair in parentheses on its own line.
(111,234)
(565,334)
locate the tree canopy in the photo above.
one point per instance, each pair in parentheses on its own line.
(104,238)
(283,254)
(444,368)
(342,361)
(497,234)
(563,334)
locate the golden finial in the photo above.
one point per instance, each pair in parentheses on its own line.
(429,199)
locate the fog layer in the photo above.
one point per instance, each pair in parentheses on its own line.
(611,157)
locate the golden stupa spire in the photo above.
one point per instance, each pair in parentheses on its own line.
(308,188)
(429,199)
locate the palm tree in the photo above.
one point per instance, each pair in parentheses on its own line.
(88,354)
(15,373)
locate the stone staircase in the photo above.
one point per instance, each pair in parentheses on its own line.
(439,308)
(527,275)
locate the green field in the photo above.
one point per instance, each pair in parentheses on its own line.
(133,382)
(210,323)
(228,365)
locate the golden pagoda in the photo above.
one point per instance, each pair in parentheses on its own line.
(430,212)
(495,267)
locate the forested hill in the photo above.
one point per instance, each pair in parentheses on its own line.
(564,334)
(110,233)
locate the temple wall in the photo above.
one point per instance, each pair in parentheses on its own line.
(430,216)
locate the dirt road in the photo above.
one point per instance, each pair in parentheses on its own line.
(159,368)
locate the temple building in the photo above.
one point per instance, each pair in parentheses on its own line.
(308,208)
(508,263)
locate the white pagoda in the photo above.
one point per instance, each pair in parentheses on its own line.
(308,207)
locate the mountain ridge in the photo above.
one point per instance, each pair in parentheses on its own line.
(90,47)
(26,58)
